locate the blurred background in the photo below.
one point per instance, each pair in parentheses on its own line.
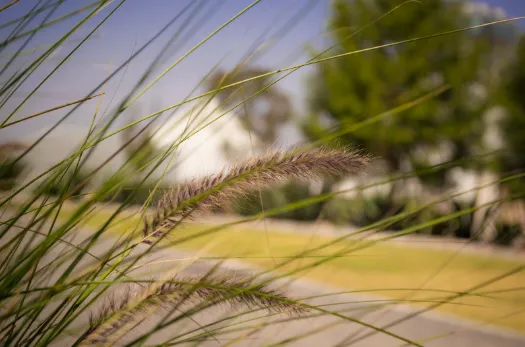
(474,129)
(442,114)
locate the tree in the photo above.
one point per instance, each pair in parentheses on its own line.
(139,149)
(349,90)
(512,158)
(10,170)
(140,153)
(262,115)
(513,124)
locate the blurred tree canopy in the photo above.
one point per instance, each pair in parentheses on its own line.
(512,125)
(262,115)
(139,148)
(349,90)
(140,152)
(10,168)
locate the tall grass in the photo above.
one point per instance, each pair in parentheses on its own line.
(66,280)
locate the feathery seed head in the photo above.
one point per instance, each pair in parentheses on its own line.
(209,193)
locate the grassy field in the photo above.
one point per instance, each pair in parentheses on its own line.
(383,266)
(412,275)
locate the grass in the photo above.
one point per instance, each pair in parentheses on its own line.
(384,269)
(48,291)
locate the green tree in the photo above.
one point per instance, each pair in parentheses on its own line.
(140,148)
(10,170)
(513,124)
(139,152)
(349,90)
(510,224)
(262,115)
(512,158)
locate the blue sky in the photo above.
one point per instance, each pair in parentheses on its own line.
(136,21)
(513,8)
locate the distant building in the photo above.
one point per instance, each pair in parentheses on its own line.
(210,139)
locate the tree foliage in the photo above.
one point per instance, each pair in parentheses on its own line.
(262,115)
(513,124)
(139,147)
(10,168)
(352,89)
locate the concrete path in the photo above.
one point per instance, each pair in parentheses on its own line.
(323,330)
(333,331)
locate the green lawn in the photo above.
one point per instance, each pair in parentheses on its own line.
(389,268)
(383,266)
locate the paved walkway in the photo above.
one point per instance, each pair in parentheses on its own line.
(329,330)
(324,330)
